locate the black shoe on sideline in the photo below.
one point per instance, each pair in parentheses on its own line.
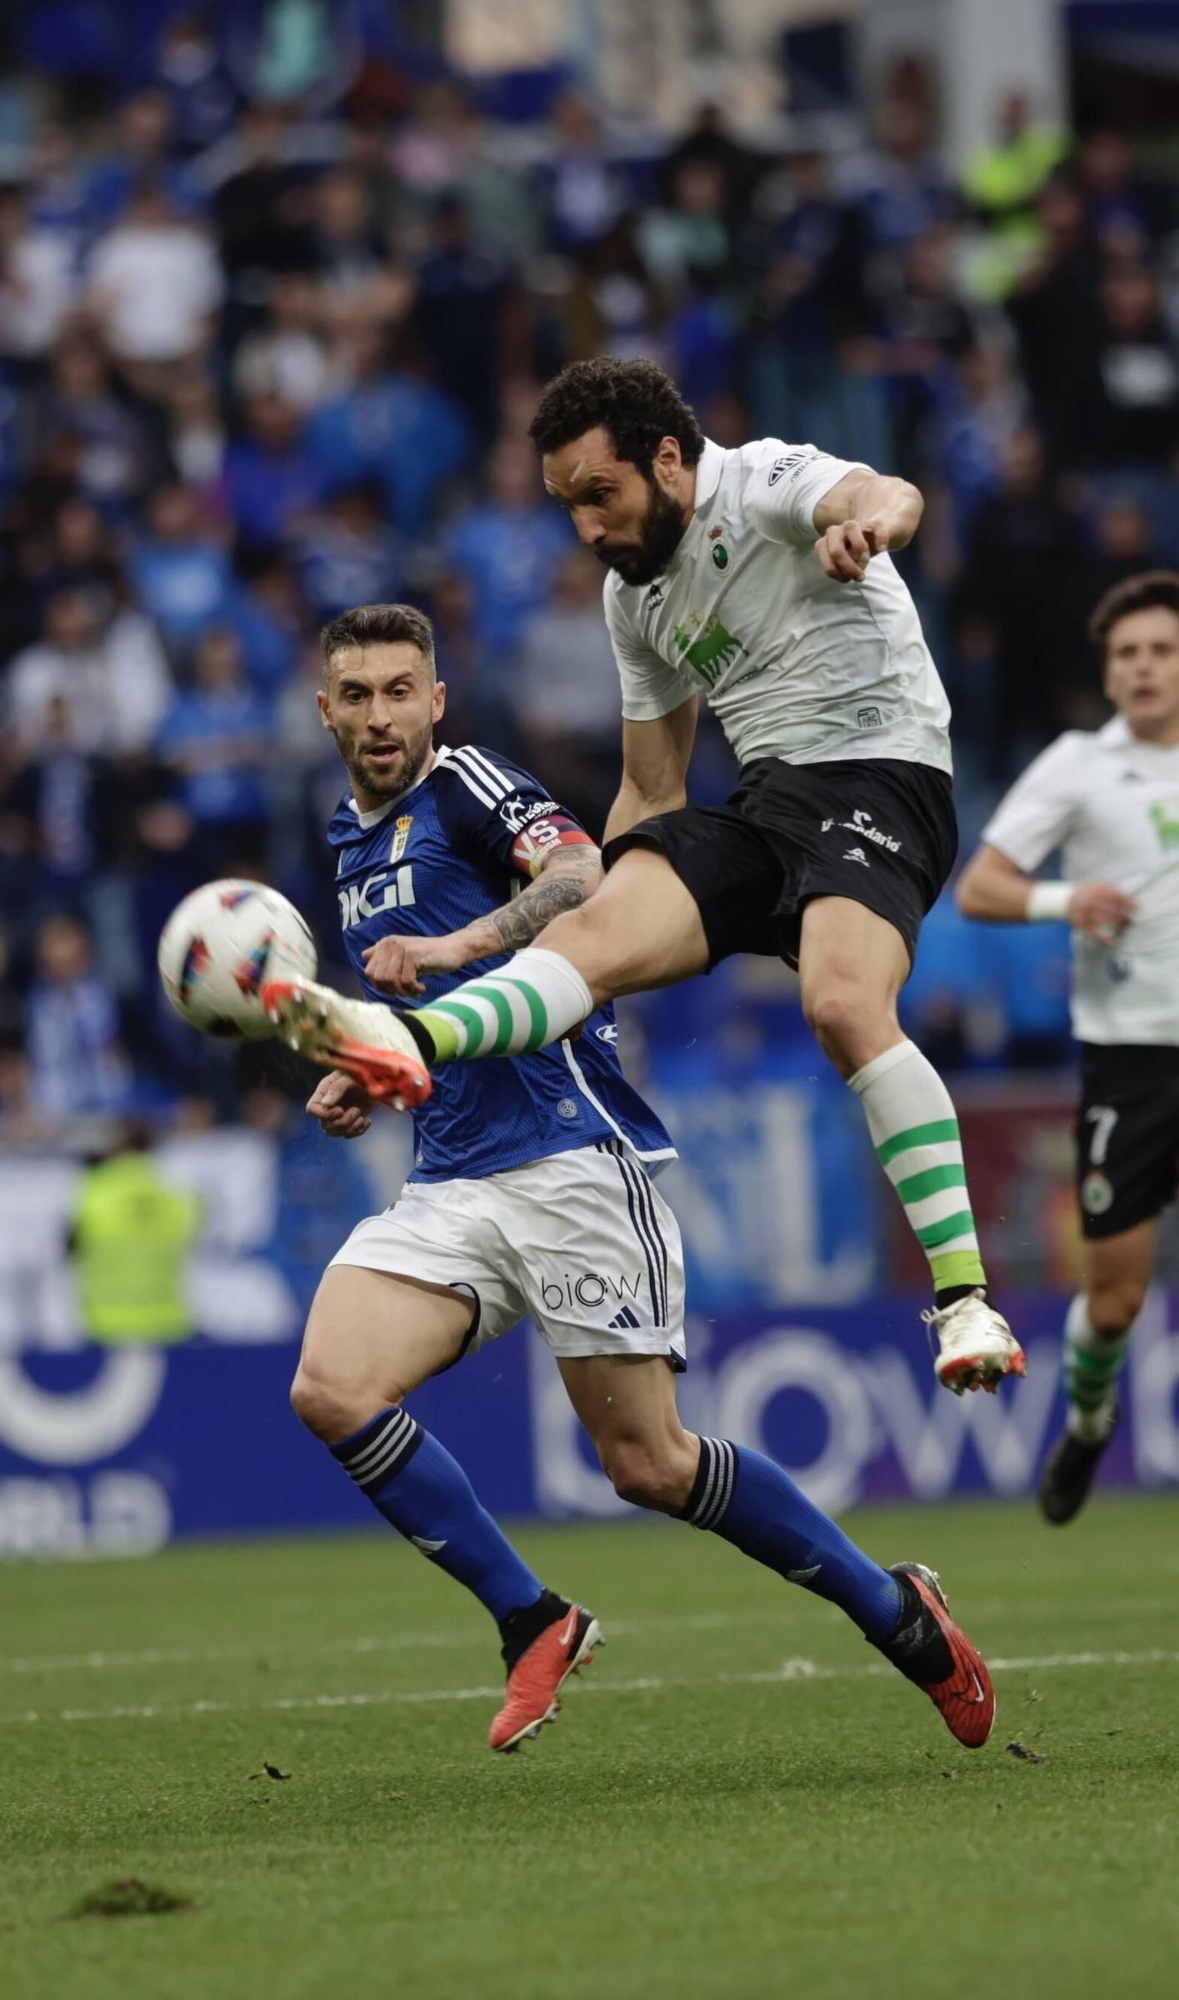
(1068,1474)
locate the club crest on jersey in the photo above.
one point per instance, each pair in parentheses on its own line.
(720,554)
(401,836)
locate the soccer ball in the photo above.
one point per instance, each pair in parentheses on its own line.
(220,944)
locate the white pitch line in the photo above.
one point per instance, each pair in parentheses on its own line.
(390,1642)
(407,1642)
(788,1670)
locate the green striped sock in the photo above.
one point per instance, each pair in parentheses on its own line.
(537,997)
(1092,1364)
(915,1132)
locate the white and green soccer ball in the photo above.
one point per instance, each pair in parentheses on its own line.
(218,948)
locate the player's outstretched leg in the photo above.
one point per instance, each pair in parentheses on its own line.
(641,929)
(628,1407)
(853,964)
(748,1500)
(363,1038)
(364,1328)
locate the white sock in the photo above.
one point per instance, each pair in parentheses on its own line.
(914,1129)
(537,997)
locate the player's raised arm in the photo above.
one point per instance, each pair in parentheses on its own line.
(864,515)
(520,833)
(994,890)
(655,759)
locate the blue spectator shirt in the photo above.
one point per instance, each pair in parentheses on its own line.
(267,491)
(184,586)
(509,558)
(454,847)
(409,436)
(222,794)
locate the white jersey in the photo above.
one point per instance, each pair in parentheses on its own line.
(794,665)
(1110,803)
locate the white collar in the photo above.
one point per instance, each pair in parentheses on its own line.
(378,813)
(709,467)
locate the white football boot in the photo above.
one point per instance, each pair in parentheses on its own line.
(976,1347)
(362,1038)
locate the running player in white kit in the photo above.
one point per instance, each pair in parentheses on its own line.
(1109,803)
(761,579)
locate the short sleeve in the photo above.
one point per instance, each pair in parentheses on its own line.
(1035,817)
(650,686)
(786,483)
(500,816)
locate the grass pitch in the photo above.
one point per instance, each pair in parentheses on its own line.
(290,1740)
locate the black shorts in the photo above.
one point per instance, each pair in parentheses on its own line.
(876,830)
(1127,1135)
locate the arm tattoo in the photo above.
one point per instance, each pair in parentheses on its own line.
(562,885)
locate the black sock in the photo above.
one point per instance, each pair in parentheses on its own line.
(422,1037)
(917,1646)
(949,1295)
(520,1628)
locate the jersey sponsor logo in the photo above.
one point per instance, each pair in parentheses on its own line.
(589,1289)
(862,825)
(401,837)
(791,462)
(382,891)
(608,1034)
(708,650)
(517,813)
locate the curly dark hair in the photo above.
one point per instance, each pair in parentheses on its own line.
(633,400)
(1137,593)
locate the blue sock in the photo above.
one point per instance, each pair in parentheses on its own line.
(424,1493)
(752,1503)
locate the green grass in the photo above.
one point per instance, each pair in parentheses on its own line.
(699,1824)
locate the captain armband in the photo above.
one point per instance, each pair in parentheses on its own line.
(535,843)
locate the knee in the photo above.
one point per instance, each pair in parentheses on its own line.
(333,1407)
(846,1020)
(1114,1304)
(315,1402)
(648,1478)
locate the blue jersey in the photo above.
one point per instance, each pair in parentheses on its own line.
(458,845)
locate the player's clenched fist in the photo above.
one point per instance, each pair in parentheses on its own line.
(341,1106)
(1101,911)
(846,549)
(396,964)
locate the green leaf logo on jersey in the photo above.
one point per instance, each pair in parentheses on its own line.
(1165,816)
(710,651)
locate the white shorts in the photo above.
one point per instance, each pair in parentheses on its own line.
(582,1241)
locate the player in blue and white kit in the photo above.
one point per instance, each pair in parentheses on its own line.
(531,1193)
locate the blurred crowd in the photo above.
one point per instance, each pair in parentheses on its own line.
(275,301)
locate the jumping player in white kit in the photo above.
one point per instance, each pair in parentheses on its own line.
(761,579)
(1108,802)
